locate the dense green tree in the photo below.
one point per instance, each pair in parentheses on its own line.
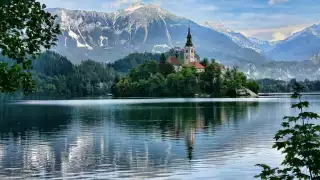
(134,60)
(124,87)
(174,85)
(159,79)
(52,64)
(54,75)
(92,78)
(114,89)
(25,28)
(156,85)
(165,68)
(189,82)
(144,71)
(233,80)
(212,79)
(229,85)
(271,85)
(205,62)
(253,86)
(163,59)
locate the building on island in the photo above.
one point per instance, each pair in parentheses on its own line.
(186,56)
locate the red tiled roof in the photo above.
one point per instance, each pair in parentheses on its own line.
(197,65)
(174,61)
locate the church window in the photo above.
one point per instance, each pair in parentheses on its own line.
(186,50)
(187,57)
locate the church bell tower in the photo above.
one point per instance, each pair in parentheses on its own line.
(189,50)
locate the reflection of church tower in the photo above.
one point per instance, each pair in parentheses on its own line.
(190,142)
(189,51)
(199,118)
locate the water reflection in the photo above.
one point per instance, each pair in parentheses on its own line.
(122,141)
(17,121)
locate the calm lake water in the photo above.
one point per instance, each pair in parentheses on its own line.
(140,139)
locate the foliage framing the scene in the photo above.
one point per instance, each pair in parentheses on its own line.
(299,140)
(25,30)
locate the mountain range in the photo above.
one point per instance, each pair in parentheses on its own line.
(253,43)
(106,37)
(298,47)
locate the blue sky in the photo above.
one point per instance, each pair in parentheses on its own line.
(264,19)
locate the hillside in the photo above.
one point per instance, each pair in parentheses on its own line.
(55,75)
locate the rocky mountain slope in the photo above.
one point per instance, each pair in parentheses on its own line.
(262,45)
(253,43)
(284,70)
(315,59)
(106,37)
(298,47)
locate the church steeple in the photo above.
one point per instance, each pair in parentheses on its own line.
(189,51)
(189,38)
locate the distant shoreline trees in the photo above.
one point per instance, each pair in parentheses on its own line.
(54,75)
(276,86)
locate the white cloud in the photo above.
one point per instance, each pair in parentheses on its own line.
(278,36)
(207,8)
(274,33)
(157,2)
(119,3)
(277,1)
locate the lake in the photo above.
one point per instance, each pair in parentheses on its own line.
(141,138)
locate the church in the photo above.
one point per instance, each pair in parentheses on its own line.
(186,56)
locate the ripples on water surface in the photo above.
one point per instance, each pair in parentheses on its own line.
(140,139)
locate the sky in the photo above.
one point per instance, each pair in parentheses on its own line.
(264,19)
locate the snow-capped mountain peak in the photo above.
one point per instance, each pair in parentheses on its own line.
(256,40)
(106,36)
(237,37)
(218,27)
(314,29)
(299,46)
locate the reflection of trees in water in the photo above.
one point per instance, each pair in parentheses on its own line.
(19,120)
(177,118)
(101,143)
(24,131)
(184,120)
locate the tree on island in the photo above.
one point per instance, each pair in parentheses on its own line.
(25,29)
(165,68)
(212,79)
(204,62)
(153,79)
(299,140)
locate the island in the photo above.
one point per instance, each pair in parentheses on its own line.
(182,74)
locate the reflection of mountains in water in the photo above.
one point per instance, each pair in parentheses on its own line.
(134,138)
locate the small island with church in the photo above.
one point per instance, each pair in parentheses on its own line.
(180,73)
